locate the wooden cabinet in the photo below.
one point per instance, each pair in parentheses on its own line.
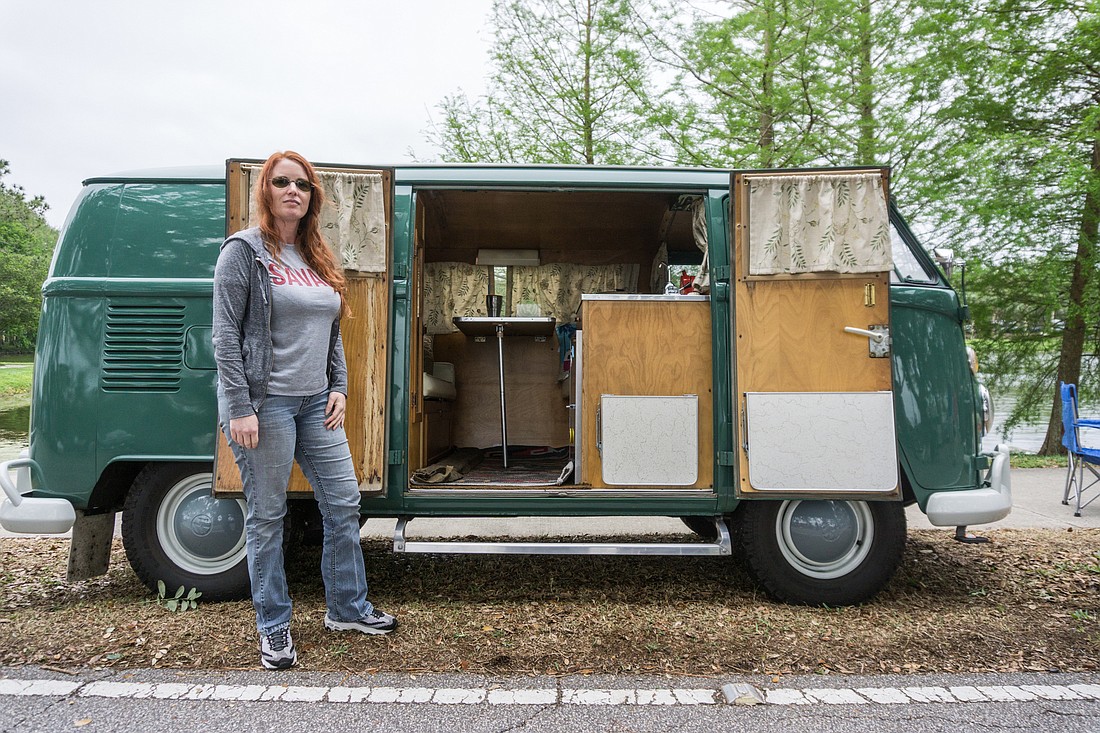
(638,345)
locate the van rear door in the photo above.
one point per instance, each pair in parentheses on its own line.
(357,224)
(812,375)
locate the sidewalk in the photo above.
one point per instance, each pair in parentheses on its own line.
(1036,503)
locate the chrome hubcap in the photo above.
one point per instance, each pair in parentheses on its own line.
(824,539)
(198,533)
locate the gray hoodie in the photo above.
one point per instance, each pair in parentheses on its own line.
(242,326)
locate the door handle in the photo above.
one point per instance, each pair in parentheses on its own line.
(877,336)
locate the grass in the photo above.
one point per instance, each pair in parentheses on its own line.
(1031,460)
(1028,601)
(15,381)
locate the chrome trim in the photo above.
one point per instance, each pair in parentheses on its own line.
(642,296)
(487,492)
(722,546)
(21,514)
(988,503)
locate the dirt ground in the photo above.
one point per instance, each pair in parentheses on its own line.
(1030,600)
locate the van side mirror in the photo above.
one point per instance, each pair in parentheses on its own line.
(945,258)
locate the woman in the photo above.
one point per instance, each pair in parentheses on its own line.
(282,386)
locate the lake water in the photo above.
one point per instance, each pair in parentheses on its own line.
(14,422)
(1028,437)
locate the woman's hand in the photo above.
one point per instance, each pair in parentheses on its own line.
(245,431)
(334,410)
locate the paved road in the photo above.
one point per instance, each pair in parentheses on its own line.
(34,699)
(137,700)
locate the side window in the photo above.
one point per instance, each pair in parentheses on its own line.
(907,267)
(499,284)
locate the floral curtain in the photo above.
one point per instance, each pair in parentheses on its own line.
(699,234)
(453,289)
(818,223)
(459,289)
(557,288)
(353,219)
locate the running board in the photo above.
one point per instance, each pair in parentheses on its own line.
(721,546)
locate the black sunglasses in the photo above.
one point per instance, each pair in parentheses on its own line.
(282,182)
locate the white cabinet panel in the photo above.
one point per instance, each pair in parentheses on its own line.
(647,440)
(828,441)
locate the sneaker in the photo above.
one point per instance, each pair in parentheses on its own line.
(375,622)
(277,650)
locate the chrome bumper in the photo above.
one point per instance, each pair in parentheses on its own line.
(22,514)
(990,502)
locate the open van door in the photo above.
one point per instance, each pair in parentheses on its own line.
(357,220)
(811,334)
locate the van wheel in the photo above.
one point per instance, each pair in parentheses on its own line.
(815,552)
(702,526)
(175,531)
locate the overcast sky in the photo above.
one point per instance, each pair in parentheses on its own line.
(95,87)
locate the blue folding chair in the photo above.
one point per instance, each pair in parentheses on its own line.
(1080,458)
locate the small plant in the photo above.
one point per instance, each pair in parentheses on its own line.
(178,602)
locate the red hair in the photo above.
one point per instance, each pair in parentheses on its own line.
(315,250)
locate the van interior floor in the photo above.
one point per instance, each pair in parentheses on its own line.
(527,467)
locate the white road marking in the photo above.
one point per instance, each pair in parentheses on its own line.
(38,687)
(496,695)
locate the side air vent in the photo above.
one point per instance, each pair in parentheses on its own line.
(143,348)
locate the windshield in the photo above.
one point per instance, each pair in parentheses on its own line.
(907,266)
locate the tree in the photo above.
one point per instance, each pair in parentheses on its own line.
(559,92)
(1017,86)
(26,243)
(777,83)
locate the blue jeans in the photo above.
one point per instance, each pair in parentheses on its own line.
(293,428)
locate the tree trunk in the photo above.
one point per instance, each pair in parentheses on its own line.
(1073,335)
(589,147)
(866,91)
(766,132)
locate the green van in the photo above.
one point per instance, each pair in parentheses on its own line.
(526,341)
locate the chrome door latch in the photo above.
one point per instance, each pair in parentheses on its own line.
(878,339)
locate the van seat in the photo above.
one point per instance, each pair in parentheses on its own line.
(440,383)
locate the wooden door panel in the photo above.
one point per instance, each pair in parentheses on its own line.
(791,352)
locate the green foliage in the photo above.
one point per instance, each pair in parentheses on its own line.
(562,90)
(178,602)
(1017,185)
(26,244)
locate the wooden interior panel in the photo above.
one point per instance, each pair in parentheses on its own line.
(365,347)
(580,227)
(791,338)
(657,347)
(537,412)
(788,331)
(236,199)
(365,337)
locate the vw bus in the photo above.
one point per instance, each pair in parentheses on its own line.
(519,347)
